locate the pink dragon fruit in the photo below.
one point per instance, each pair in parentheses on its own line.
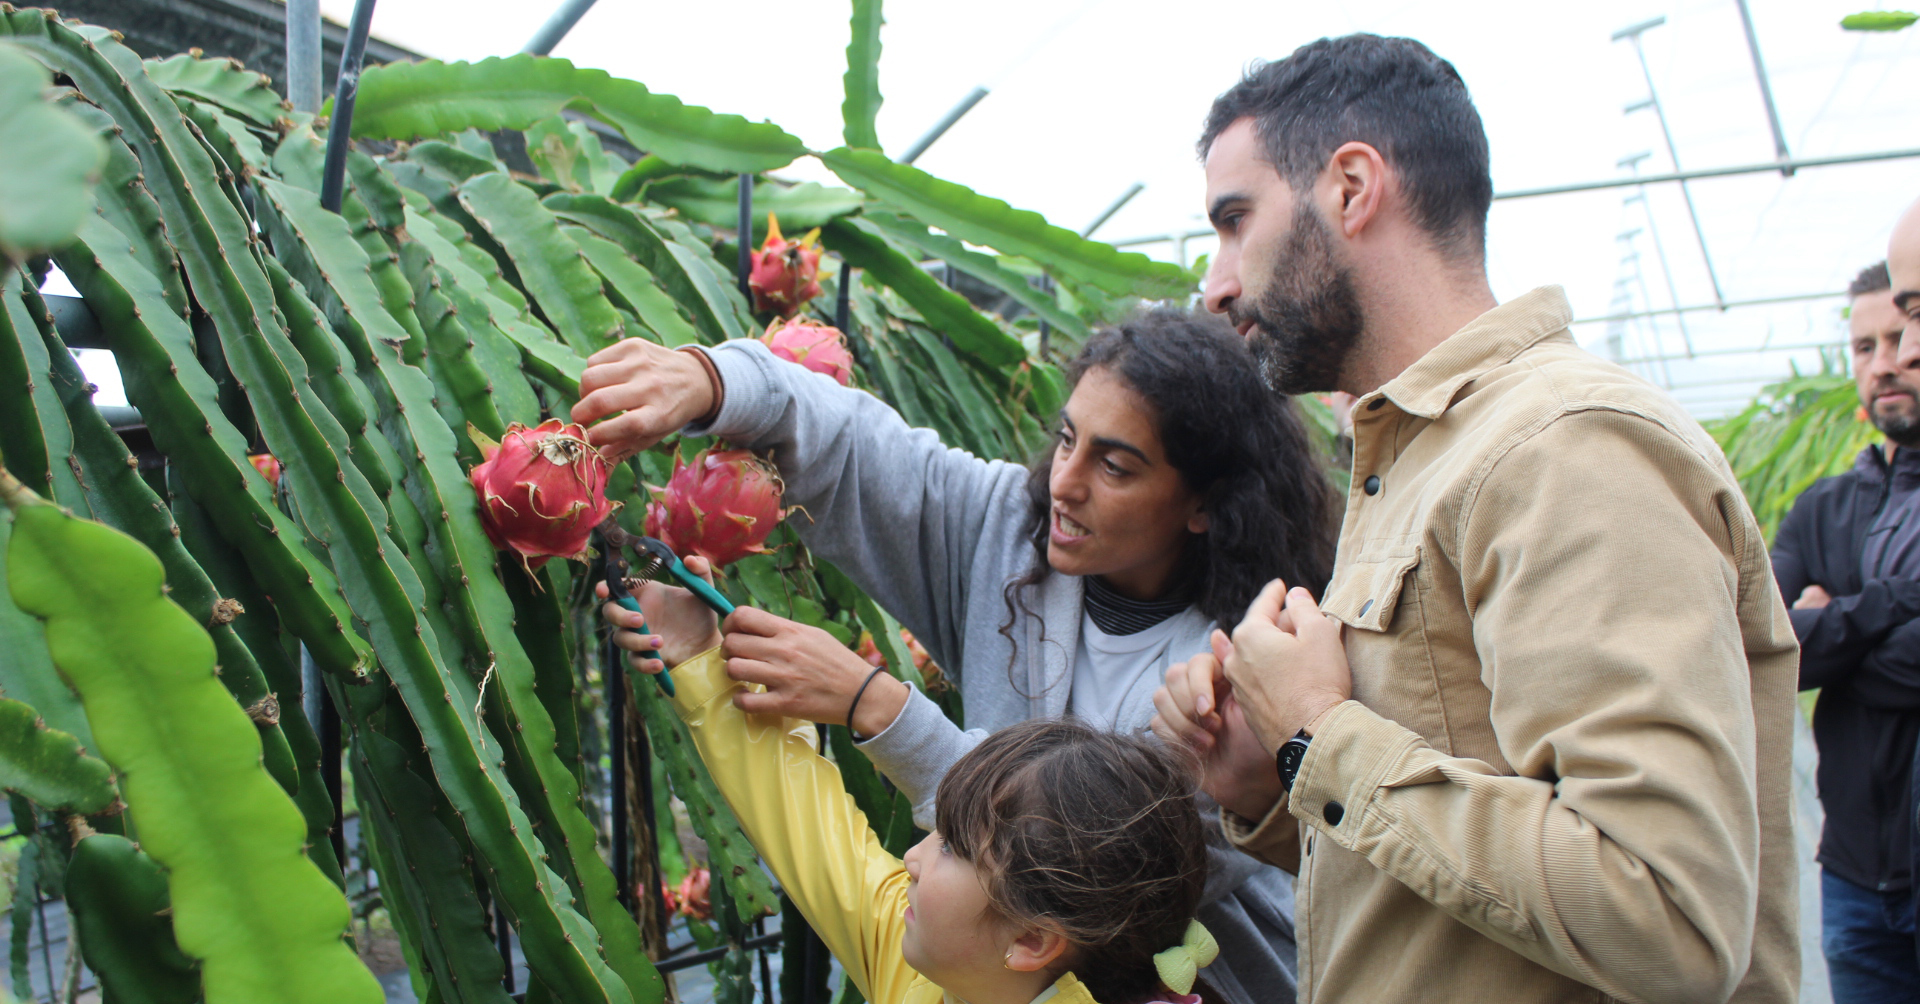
(542,491)
(818,347)
(785,274)
(268,465)
(721,507)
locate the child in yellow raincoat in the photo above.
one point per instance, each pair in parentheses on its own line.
(1066,866)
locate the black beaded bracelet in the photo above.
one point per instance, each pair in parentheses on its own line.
(855,704)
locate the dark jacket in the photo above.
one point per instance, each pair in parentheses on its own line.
(1857,535)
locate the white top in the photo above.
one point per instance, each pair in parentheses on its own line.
(1114,676)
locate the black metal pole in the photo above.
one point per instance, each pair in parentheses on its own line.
(503,931)
(766,970)
(330,776)
(643,763)
(334,175)
(617,748)
(843,299)
(746,234)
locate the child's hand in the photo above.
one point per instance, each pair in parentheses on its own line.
(682,626)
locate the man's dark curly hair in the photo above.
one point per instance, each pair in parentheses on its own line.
(1392,94)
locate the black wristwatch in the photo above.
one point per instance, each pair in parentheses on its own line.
(1288,759)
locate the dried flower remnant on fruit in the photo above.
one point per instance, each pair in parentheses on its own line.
(722,506)
(819,347)
(542,491)
(785,274)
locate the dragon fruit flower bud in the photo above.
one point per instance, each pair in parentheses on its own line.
(785,274)
(818,347)
(542,491)
(722,506)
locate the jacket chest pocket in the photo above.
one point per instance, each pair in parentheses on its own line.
(1365,593)
(1378,597)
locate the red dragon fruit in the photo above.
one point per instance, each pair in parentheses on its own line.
(721,507)
(268,465)
(785,274)
(692,898)
(818,347)
(542,491)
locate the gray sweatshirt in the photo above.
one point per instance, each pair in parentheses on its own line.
(934,535)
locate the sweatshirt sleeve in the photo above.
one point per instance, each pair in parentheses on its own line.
(917,749)
(1601,561)
(792,806)
(901,514)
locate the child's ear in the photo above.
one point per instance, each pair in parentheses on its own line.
(1035,949)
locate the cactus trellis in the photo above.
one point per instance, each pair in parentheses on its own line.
(152,623)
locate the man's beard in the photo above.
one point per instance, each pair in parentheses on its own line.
(1902,427)
(1308,321)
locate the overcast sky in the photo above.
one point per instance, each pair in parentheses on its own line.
(1089,97)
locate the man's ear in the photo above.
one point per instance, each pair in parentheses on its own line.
(1036,949)
(1359,179)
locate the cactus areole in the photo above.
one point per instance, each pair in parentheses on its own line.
(785,274)
(542,491)
(722,506)
(818,347)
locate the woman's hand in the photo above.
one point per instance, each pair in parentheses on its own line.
(807,672)
(659,390)
(1197,707)
(682,625)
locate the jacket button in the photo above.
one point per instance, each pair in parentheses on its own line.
(1334,813)
(1374,405)
(1364,607)
(1372,484)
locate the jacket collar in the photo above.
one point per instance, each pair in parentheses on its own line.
(1427,388)
(1872,463)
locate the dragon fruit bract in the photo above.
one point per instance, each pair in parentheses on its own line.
(542,491)
(818,347)
(785,274)
(721,507)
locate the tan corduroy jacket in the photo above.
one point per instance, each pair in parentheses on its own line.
(1564,773)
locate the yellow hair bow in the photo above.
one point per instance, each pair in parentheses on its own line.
(1179,965)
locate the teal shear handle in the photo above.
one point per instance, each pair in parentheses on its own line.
(617,592)
(700,587)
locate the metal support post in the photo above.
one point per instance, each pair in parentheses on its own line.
(1632,34)
(333,175)
(564,18)
(946,122)
(1632,164)
(615,672)
(843,297)
(746,236)
(1119,203)
(1766,89)
(305,89)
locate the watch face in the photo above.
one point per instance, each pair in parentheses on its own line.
(1291,753)
(1290,756)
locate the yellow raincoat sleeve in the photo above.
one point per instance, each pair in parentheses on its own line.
(791,804)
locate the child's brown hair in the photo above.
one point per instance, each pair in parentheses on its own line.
(1092,834)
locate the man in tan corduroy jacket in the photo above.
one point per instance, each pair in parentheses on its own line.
(1533,743)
